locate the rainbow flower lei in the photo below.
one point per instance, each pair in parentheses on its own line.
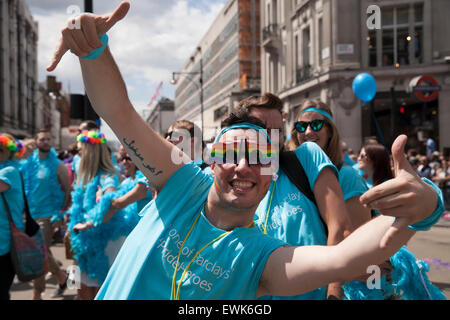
(15,146)
(91,137)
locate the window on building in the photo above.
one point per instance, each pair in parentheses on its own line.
(398,43)
(296,58)
(418,34)
(220,113)
(306,46)
(372,43)
(320,26)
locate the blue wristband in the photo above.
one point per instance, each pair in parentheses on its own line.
(431,220)
(94,54)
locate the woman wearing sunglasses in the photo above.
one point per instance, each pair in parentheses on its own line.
(315,123)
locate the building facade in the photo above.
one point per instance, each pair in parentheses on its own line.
(313,49)
(18,69)
(162,116)
(224,69)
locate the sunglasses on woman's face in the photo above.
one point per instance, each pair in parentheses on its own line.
(316,125)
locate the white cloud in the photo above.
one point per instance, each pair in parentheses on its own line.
(155,39)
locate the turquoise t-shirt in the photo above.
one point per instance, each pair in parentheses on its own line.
(351,182)
(369,182)
(44,192)
(293,218)
(140,178)
(229,268)
(9,174)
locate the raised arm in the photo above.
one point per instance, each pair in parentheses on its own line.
(155,157)
(294,270)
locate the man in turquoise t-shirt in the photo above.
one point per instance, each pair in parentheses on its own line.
(286,213)
(201,242)
(48,187)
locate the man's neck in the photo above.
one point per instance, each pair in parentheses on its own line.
(226,218)
(43,154)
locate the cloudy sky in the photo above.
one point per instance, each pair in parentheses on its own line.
(155,39)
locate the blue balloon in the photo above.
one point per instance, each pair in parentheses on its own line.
(364,87)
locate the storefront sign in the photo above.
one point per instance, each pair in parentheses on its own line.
(426,88)
(345,49)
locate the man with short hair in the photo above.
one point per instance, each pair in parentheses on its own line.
(309,224)
(197,240)
(47,186)
(187,136)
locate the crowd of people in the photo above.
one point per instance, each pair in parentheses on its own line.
(252,217)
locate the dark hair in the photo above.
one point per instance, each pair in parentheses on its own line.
(90,125)
(186,125)
(379,156)
(267,100)
(41,131)
(241,116)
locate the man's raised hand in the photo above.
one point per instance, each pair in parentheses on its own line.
(84,38)
(405,197)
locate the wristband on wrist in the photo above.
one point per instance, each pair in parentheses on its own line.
(432,219)
(94,54)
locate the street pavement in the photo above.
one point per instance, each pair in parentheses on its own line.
(432,246)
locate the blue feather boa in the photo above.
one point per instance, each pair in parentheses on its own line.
(409,282)
(30,168)
(89,246)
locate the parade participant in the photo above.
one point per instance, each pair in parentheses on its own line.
(286,213)
(95,244)
(88,125)
(196,213)
(11,189)
(47,186)
(186,135)
(315,123)
(133,195)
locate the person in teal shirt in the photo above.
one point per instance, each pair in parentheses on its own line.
(353,186)
(11,190)
(170,235)
(134,192)
(47,186)
(286,213)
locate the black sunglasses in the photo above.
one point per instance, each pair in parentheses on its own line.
(316,125)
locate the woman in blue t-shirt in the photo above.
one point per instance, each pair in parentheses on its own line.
(315,123)
(11,191)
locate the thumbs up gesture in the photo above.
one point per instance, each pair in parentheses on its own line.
(406,197)
(81,35)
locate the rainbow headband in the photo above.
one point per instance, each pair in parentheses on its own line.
(324,113)
(16,147)
(244,125)
(220,150)
(91,137)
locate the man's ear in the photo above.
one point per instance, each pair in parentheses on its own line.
(213,172)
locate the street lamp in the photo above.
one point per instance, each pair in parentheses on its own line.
(199,86)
